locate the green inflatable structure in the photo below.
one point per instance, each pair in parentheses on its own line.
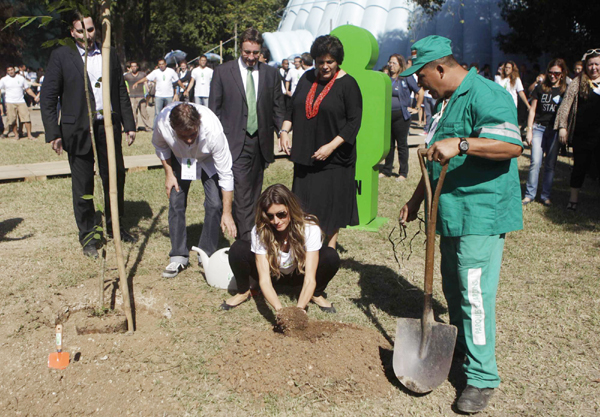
(373,142)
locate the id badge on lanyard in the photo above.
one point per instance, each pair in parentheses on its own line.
(188,169)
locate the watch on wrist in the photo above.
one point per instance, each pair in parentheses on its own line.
(463,146)
(282,130)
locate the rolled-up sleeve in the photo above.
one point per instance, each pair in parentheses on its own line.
(222,158)
(163,151)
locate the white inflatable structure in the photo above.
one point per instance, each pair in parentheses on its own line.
(472,25)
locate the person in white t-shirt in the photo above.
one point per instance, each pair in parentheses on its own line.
(201,78)
(286,248)
(14,85)
(510,81)
(293,76)
(164,77)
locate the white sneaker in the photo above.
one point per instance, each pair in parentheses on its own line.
(173,269)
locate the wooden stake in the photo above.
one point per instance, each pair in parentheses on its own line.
(112,165)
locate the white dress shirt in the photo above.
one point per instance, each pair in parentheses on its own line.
(244,72)
(94,70)
(211,149)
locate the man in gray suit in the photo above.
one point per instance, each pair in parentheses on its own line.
(246,96)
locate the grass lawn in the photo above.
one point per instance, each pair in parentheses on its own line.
(548,309)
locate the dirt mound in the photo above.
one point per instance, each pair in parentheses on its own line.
(326,359)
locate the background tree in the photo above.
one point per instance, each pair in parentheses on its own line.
(561,29)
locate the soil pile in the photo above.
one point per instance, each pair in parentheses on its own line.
(325,359)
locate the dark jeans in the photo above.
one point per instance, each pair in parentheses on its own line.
(583,159)
(243,264)
(213,210)
(248,171)
(400,128)
(82,181)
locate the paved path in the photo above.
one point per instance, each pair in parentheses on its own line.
(45,170)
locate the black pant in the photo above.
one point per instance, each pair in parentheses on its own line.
(243,264)
(399,135)
(82,181)
(248,171)
(583,159)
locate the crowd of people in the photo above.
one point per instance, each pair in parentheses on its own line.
(218,126)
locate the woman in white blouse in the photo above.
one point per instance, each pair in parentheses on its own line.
(510,81)
(285,248)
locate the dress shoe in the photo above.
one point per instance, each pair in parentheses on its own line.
(473,399)
(90,250)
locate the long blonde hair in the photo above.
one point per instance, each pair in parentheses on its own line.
(585,85)
(280,194)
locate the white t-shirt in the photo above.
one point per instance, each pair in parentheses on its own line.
(293,76)
(202,77)
(287,261)
(512,89)
(13,87)
(164,81)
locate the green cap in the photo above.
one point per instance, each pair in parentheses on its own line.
(426,50)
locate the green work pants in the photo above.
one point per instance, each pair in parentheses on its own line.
(470,274)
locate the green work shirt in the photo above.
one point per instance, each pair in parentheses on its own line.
(479,196)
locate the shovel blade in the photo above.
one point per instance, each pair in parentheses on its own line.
(423,368)
(58,360)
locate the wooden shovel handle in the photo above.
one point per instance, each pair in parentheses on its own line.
(59,330)
(431,218)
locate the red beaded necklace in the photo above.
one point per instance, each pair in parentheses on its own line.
(313,109)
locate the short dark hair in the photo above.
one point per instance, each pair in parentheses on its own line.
(77,16)
(307,59)
(161,59)
(328,45)
(251,35)
(184,117)
(264,51)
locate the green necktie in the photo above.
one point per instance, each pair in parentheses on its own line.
(252,125)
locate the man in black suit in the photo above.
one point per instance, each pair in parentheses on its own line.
(246,96)
(63,84)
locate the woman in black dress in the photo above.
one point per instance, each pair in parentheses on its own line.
(325,111)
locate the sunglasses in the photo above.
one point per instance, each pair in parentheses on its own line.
(555,73)
(281,215)
(591,52)
(90,30)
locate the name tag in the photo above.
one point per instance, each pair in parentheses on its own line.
(188,169)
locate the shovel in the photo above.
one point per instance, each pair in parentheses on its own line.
(58,359)
(423,349)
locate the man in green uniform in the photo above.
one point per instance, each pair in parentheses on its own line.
(475,131)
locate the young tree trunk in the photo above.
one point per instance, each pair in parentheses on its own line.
(112,165)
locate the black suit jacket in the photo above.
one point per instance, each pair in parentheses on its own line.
(63,82)
(228,101)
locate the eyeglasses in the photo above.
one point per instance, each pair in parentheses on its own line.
(591,52)
(555,73)
(280,215)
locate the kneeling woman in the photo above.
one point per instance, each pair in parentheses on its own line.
(286,248)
